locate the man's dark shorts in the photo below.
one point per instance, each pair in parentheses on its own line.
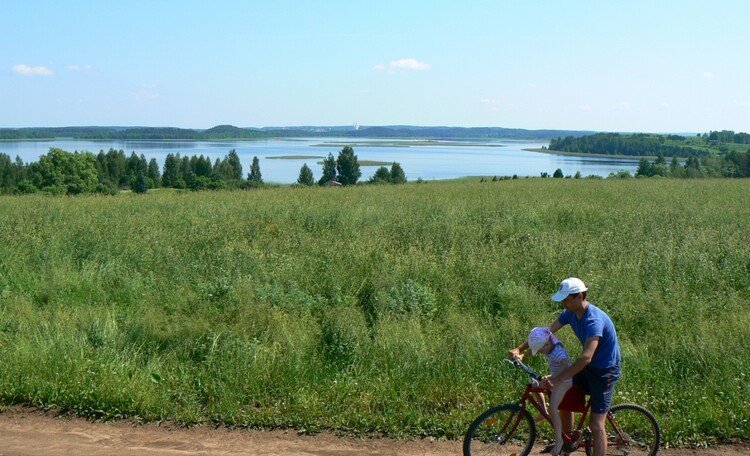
(600,384)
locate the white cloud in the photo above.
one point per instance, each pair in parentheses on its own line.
(586,108)
(26,70)
(706,75)
(402,65)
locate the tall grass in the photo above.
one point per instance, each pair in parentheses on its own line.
(375,309)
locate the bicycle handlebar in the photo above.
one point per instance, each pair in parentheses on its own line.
(531,372)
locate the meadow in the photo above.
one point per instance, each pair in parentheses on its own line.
(381,310)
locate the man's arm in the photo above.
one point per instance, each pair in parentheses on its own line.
(583,360)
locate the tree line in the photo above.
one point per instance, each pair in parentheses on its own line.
(61,172)
(344,170)
(641,144)
(631,145)
(732,165)
(231,132)
(134,133)
(70,173)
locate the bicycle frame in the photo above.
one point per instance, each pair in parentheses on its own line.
(529,397)
(573,440)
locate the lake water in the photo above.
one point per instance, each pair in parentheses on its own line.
(444,161)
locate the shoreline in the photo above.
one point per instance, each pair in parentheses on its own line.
(585,154)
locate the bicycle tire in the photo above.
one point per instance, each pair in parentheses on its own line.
(503,430)
(637,433)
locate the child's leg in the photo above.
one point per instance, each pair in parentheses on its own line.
(558,393)
(543,402)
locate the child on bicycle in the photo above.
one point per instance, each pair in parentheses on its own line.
(542,341)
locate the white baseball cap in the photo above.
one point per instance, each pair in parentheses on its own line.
(537,338)
(569,286)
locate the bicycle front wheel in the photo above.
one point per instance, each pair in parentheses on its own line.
(631,430)
(503,430)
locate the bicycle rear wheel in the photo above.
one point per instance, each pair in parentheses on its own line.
(631,430)
(503,430)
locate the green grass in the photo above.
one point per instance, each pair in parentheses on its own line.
(377,309)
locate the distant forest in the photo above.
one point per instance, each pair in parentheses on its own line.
(226,132)
(640,145)
(713,154)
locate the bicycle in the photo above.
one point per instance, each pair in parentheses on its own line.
(510,430)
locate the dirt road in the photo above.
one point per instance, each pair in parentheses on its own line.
(27,432)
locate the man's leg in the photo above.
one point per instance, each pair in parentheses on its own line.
(602,390)
(598,433)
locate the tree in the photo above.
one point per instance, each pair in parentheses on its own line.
(398,176)
(622,174)
(644,168)
(659,168)
(558,174)
(693,167)
(185,170)
(171,170)
(381,176)
(737,164)
(229,169)
(112,168)
(305,176)
(201,166)
(139,185)
(254,178)
(329,170)
(675,170)
(153,173)
(135,165)
(234,167)
(9,173)
(347,167)
(61,172)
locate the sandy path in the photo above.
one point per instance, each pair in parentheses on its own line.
(26,432)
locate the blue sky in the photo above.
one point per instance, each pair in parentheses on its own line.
(651,66)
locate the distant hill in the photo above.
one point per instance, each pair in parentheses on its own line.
(230,132)
(463,133)
(233,132)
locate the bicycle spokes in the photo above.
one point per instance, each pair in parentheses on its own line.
(503,430)
(632,430)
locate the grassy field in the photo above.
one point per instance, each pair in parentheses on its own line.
(377,309)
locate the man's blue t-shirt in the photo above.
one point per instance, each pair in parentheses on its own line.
(595,323)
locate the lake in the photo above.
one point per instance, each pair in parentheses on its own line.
(419,159)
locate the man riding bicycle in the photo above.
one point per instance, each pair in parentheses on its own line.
(597,368)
